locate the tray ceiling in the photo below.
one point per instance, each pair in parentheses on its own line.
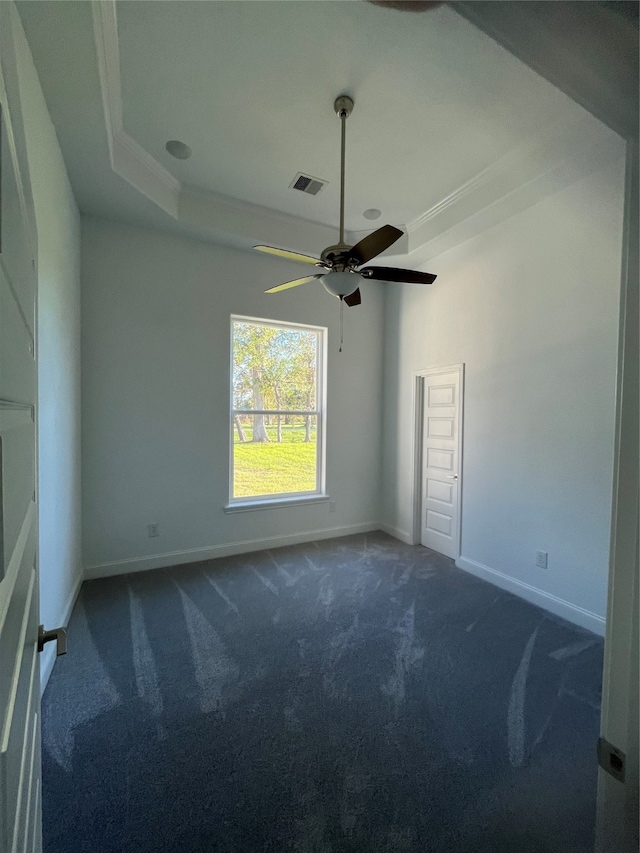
(446,122)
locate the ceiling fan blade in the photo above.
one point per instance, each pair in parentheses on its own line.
(394,274)
(375,243)
(294,283)
(353,298)
(289,256)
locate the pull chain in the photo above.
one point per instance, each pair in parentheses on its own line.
(341,323)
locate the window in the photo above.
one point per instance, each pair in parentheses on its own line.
(277,411)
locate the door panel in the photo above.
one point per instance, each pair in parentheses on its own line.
(438,522)
(17,261)
(19,604)
(439,460)
(440,395)
(27,770)
(17,365)
(438,491)
(441,430)
(17,469)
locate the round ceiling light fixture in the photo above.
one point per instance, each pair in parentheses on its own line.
(372,213)
(341,283)
(177,149)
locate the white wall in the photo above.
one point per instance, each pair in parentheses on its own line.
(58,227)
(531,308)
(155,395)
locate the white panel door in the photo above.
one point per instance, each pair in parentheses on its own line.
(19,672)
(441,430)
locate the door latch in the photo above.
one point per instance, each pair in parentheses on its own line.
(58,634)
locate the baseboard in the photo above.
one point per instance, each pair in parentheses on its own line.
(194,555)
(558,606)
(48,655)
(397,533)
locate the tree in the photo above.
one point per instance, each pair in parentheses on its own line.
(241,433)
(259,429)
(304,377)
(273,368)
(278,369)
(250,348)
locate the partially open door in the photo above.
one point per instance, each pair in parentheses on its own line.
(20,788)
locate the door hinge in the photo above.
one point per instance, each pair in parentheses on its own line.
(611,759)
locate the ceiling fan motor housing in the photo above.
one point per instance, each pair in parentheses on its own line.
(337,257)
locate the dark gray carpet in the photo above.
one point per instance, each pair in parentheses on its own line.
(350,695)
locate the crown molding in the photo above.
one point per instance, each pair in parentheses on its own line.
(563,154)
(105,33)
(239,207)
(254,223)
(133,163)
(482,179)
(136,151)
(128,158)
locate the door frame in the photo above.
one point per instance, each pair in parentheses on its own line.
(419,377)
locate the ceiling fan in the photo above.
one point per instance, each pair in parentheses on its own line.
(342,265)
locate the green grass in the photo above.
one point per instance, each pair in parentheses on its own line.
(274,468)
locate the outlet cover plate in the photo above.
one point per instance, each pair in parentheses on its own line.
(541,559)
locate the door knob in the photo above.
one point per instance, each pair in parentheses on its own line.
(451,476)
(58,634)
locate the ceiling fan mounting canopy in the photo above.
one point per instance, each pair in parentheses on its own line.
(341,264)
(343,105)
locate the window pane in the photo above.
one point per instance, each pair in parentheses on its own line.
(274,368)
(274,454)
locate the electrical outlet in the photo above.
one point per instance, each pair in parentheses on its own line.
(332,506)
(153,530)
(541,559)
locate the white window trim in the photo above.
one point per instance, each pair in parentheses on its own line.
(273,501)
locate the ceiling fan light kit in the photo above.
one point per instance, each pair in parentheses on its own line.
(341,283)
(341,264)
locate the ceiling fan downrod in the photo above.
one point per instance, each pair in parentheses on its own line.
(343,106)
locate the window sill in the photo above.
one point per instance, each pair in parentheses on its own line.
(251,506)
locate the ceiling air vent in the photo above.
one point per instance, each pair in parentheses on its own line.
(307,184)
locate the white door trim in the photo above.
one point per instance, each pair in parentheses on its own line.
(419,377)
